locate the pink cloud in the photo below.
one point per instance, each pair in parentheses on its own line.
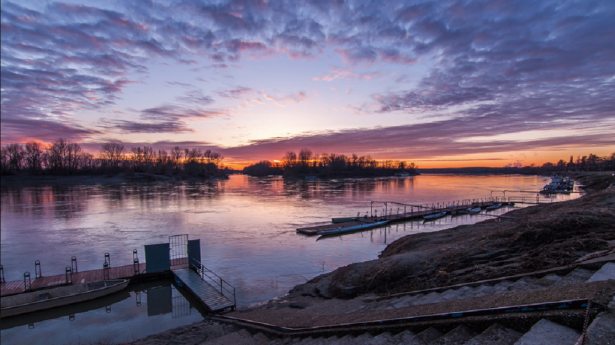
(345,74)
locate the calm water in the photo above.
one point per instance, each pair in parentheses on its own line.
(246,226)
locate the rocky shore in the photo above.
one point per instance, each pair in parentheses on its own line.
(536,238)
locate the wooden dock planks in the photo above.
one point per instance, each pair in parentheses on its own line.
(211,297)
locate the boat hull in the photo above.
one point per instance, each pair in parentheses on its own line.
(352,228)
(494,207)
(434,216)
(12,310)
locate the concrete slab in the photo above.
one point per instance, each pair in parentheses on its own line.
(496,334)
(547,332)
(601,331)
(605,273)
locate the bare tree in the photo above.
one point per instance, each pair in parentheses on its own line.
(113,152)
(33,156)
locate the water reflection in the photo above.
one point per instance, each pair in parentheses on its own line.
(246,224)
(136,312)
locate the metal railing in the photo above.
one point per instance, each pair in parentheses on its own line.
(226,289)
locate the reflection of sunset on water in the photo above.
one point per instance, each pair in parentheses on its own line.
(246,224)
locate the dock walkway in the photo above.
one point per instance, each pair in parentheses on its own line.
(211,297)
(399,217)
(119,272)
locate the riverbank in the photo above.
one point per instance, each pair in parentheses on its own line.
(527,240)
(50,180)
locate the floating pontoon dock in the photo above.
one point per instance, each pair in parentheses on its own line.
(180,258)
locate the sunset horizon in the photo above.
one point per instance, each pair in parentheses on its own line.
(442,85)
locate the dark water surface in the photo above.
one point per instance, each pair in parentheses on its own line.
(246,226)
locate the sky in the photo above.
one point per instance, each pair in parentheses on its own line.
(438,83)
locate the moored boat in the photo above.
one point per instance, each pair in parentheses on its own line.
(475,210)
(494,207)
(434,216)
(28,302)
(343,229)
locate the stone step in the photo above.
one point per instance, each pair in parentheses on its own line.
(602,329)
(605,273)
(408,338)
(549,280)
(233,338)
(457,336)
(496,334)
(547,332)
(430,335)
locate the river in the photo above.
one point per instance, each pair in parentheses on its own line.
(246,226)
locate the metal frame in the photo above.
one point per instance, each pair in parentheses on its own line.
(178,249)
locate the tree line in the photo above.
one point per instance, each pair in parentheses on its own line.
(591,162)
(63,157)
(306,163)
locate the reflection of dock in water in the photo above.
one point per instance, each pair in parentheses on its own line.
(161,260)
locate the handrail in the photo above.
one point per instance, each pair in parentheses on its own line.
(204,272)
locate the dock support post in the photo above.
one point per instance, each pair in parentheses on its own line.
(2,274)
(27,284)
(37,269)
(69,270)
(73,264)
(135,262)
(106,266)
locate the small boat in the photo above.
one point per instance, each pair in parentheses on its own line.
(475,210)
(344,219)
(28,302)
(402,174)
(356,227)
(494,207)
(434,216)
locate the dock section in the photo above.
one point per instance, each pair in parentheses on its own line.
(166,259)
(416,212)
(211,297)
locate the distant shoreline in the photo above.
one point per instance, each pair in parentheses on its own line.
(50,180)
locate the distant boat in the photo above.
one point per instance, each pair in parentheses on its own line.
(402,174)
(29,302)
(434,216)
(493,207)
(475,210)
(361,226)
(558,185)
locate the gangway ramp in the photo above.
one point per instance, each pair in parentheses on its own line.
(200,284)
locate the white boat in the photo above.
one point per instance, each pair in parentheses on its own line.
(475,210)
(558,185)
(402,174)
(434,216)
(493,207)
(361,226)
(28,302)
